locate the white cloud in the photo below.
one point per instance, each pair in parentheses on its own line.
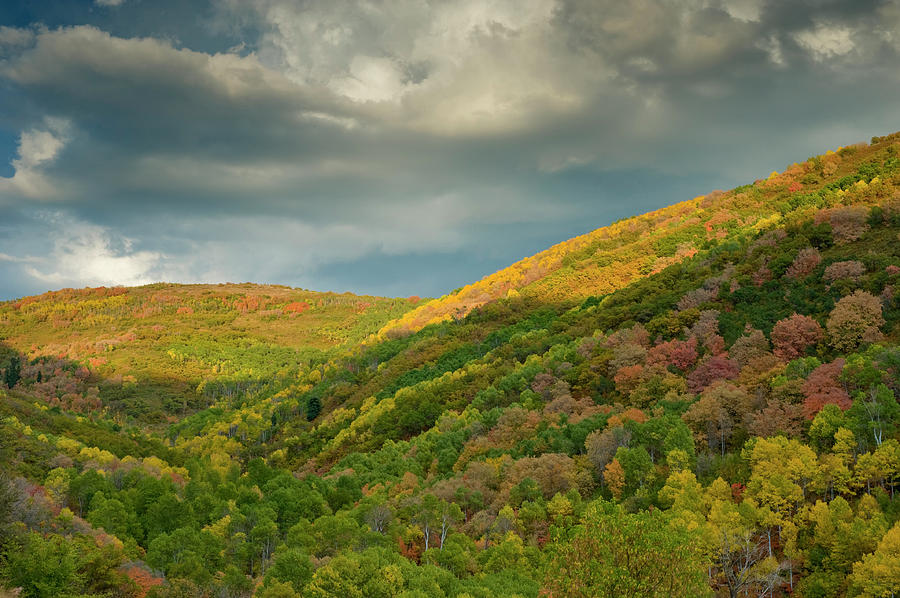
(447,68)
(87,254)
(12,38)
(5,257)
(826,41)
(345,129)
(772,46)
(888,23)
(109,2)
(744,10)
(38,147)
(371,79)
(220,248)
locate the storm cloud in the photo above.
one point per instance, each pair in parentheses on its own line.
(400,147)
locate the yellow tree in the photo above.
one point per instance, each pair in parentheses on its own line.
(877,575)
(614,476)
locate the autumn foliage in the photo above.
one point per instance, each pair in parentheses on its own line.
(698,401)
(792,336)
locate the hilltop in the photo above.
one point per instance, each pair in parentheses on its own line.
(701,401)
(147,349)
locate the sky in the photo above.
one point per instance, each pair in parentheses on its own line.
(400,147)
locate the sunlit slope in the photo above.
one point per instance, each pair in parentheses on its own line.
(165,339)
(609,258)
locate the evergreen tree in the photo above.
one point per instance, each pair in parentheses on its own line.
(313,408)
(13,372)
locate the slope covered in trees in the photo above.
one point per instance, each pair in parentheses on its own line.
(610,257)
(702,401)
(143,352)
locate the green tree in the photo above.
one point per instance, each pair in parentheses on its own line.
(43,567)
(313,408)
(111,515)
(277,589)
(613,553)
(13,371)
(234,583)
(875,413)
(8,499)
(291,566)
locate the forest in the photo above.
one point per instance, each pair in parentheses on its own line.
(699,401)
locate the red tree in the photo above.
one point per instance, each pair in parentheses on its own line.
(823,386)
(792,336)
(717,367)
(681,354)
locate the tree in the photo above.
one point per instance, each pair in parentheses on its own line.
(681,354)
(719,410)
(792,336)
(313,408)
(744,563)
(291,566)
(636,465)
(806,261)
(374,573)
(264,535)
(434,515)
(13,371)
(717,367)
(449,515)
(234,583)
(379,517)
(113,517)
(43,567)
(601,446)
(613,553)
(614,477)
(825,424)
(848,270)
(752,345)
(777,417)
(8,499)
(878,574)
(333,533)
(277,589)
(781,471)
(875,412)
(847,223)
(856,319)
(823,387)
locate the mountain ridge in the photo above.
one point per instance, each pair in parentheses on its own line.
(543,274)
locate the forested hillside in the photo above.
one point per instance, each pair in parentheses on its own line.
(701,401)
(157,352)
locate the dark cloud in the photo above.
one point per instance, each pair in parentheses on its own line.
(406,148)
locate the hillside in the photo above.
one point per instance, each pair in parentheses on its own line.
(700,401)
(610,257)
(145,350)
